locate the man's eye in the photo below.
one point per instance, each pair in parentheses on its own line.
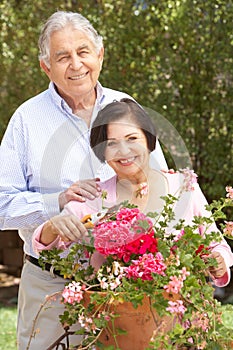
(83,53)
(63,58)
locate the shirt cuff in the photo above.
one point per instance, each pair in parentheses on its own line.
(51,204)
(224,280)
(38,246)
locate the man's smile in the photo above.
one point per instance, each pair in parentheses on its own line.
(77,77)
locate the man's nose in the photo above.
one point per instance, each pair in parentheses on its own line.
(75,62)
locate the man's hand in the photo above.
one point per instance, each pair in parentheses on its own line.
(80,191)
(68,227)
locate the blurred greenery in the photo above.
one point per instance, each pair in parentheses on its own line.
(174,56)
(8,316)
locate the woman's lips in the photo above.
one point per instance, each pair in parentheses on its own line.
(127,161)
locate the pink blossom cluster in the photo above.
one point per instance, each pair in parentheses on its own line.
(73,292)
(229,190)
(228,230)
(145,266)
(132,216)
(176,282)
(201,320)
(125,235)
(190,178)
(176,307)
(87,323)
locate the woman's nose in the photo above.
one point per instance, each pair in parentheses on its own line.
(123,147)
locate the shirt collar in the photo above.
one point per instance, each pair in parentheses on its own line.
(99,93)
(55,95)
(61,102)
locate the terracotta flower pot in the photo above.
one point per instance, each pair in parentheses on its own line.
(140,324)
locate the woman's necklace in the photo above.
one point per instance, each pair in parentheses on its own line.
(142,190)
(129,191)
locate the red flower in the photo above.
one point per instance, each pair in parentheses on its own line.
(146,243)
(202,250)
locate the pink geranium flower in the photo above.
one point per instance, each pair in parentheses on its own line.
(176,307)
(145,266)
(174,286)
(190,178)
(73,292)
(228,230)
(229,190)
(128,234)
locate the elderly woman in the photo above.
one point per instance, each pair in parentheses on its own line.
(123,135)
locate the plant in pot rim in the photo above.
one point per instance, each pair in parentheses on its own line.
(141,259)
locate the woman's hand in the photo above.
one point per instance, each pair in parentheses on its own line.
(68,227)
(220,269)
(79,191)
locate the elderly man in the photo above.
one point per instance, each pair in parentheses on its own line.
(46,159)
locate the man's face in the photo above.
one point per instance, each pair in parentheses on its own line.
(74,63)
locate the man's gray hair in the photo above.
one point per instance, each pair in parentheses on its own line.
(60,20)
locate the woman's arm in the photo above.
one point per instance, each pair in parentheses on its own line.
(60,231)
(221,251)
(63,229)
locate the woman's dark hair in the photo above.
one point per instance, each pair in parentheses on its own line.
(116,111)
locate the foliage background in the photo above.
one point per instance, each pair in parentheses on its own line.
(8,318)
(174,57)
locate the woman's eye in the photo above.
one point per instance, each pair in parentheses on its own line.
(132,138)
(111,143)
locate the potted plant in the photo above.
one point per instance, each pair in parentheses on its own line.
(149,280)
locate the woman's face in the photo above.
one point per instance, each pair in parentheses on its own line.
(126,150)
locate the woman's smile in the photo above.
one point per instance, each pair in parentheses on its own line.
(127,161)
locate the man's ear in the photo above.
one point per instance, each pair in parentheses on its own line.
(101,56)
(45,68)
